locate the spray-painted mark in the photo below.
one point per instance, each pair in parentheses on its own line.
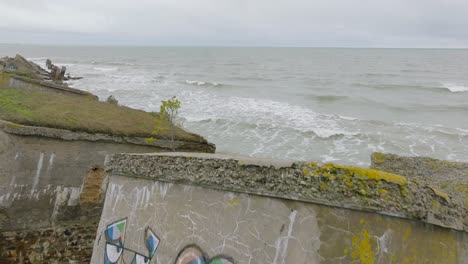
(115,244)
(115,249)
(193,254)
(51,163)
(282,242)
(38,172)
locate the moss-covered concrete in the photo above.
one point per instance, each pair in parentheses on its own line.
(329,184)
(449,180)
(255,211)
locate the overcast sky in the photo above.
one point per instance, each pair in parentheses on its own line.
(316,23)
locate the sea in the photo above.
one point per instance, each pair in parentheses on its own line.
(322,104)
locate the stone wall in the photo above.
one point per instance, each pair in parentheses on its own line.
(176,208)
(70,243)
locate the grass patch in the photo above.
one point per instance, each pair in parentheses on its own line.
(22,74)
(82,113)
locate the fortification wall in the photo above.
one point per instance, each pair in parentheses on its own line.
(175,208)
(51,181)
(28,83)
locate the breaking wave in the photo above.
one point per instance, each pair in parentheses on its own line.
(202,83)
(455,88)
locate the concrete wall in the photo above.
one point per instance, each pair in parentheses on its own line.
(27,83)
(41,179)
(200,207)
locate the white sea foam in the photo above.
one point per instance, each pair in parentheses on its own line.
(254,118)
(455,88)
(202,83)
(105,69)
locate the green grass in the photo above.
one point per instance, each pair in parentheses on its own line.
(22,74)
(82,113)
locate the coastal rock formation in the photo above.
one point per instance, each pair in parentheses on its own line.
(32,70)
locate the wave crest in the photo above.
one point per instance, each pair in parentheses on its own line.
(455,88)
(202,83)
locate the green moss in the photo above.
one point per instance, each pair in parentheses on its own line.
(377,157)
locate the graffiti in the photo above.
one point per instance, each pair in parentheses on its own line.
(115,244)
(115,248)
(192,254)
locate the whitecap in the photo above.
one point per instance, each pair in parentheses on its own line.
(105,69)
(455,88)
(202,83)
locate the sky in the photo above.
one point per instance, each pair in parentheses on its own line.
(303,23)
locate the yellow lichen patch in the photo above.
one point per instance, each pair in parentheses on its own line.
(406,233)
(440,194)
(462,187)
(377,157)
(362,173)
(312,163)
(383,192)
(362,248)
(323,186)
(305,171)
(233,200)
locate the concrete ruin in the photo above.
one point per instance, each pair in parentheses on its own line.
(52,180)
(177,208)
(18,64)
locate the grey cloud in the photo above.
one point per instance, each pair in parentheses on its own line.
(393,23)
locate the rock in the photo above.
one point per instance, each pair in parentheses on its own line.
(62,72)
(49,64)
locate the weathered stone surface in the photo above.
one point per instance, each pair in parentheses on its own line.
(65,244)
(28,83)
(42,174)
(92,193)
(328,184)
(448,179)
(68,135)
(248,228)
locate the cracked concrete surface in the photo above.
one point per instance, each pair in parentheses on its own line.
(260,229)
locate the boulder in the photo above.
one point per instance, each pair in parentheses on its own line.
(49,64)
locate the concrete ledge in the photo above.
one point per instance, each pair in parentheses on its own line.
(328,184)
(23,82)
(68,135)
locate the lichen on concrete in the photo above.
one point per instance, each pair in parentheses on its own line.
(329,184)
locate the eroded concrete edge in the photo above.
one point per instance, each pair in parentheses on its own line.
(328,184)
(62,134)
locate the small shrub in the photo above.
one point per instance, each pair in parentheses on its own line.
(111,100)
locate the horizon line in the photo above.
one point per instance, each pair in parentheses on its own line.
(219,46)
